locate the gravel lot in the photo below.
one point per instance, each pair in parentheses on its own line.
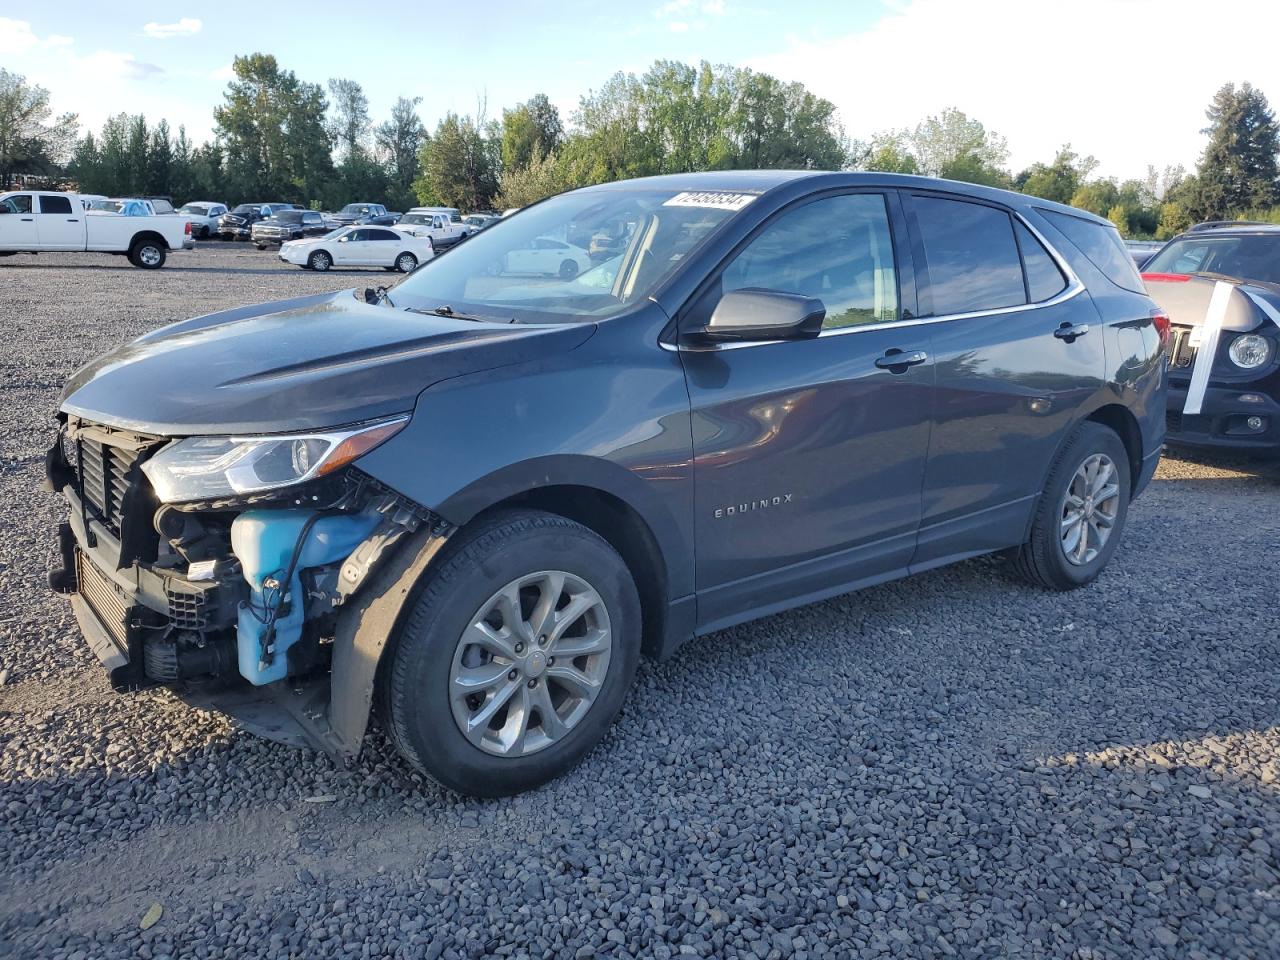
(954,765)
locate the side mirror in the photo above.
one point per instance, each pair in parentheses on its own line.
(754,315)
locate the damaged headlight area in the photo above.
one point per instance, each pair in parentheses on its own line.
(209,468)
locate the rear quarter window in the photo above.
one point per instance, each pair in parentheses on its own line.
(1101,245)
(971,254)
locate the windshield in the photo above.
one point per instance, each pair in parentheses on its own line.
(412,218)
(195,209)
(541,266)
(1248,258)
(357,208)
(287,216)
(246,208)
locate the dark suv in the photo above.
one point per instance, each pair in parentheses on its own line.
(1220,285)
(237,223)
(476,499)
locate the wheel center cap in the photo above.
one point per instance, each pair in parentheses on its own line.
(536,664)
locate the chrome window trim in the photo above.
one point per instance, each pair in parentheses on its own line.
(1073,288)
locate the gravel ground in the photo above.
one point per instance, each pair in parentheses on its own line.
(954,765)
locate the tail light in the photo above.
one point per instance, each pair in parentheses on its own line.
(1166,277)
(1162,324)
(187,228)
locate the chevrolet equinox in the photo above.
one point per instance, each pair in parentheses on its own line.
(472,501)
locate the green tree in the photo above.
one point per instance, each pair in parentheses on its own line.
(890,157)
(541,177)
(1096,196)
(349,119)
(32,140)
(159,169)
(271,127)
(1238,169)
(399,140)
(1058,180)
(954,141)
(532,129)
(457,165)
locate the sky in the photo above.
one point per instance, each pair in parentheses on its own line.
(1126,81)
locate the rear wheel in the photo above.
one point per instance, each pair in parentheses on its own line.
(320,261)
(1081,513)
(147,254)
(406,262)
(516,656)
(568,269)
(261,246)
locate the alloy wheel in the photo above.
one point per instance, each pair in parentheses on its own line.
(1089,509)
(531,663)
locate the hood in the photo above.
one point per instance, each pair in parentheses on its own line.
(300,364)
(1185,298)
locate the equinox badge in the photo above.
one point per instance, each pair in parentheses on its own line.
(740,508)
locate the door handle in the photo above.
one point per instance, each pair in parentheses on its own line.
(28,219)
(70,220)
(1069,331)
(896,361)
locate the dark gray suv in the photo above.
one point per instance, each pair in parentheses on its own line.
(473,501)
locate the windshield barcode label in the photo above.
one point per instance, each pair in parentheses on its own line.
(711,198)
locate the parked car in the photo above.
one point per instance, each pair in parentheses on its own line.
(44,221)
(238,223)
(161,206)
(288,225)
(204,216)
(476,500)
(443,232)
(1220,286)
(1142,250)
(359,247)
(549,256)
(476,222)
(365,213)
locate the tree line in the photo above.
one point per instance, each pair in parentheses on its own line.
(277,137)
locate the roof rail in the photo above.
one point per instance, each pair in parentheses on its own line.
(1217,224)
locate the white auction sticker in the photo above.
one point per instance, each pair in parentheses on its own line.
(711,198)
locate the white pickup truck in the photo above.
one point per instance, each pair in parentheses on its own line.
(36,221)
(433,222)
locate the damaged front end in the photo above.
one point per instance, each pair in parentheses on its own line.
(252,576)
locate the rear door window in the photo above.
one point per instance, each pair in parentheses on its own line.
(54,204)
(972,256)
(1101,244)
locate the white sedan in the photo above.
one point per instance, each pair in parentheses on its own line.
(359,247)
(548,256)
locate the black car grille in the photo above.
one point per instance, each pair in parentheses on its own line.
(105,475)
(1181,352)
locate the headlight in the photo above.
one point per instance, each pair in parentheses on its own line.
(1249,351)
(207,468)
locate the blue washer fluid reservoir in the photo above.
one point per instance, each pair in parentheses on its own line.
(264,541)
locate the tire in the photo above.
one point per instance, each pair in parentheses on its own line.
(1044,559)
(320,261)
(406,262)
(204,233)
(147,254)
(425,722)
(261,246)
(568,269)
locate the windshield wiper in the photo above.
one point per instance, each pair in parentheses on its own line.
(448,311)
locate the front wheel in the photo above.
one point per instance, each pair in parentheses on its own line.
(568,269)
(1081,513)
(320,261)
(147,254)
(516,656)
(406,262)
(261,246)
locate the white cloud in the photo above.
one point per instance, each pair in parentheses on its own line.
(16,36)
(713,8)
(183,28)
(1038,73)
(58,40)
(124,66)
(678,26)
(224,73)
